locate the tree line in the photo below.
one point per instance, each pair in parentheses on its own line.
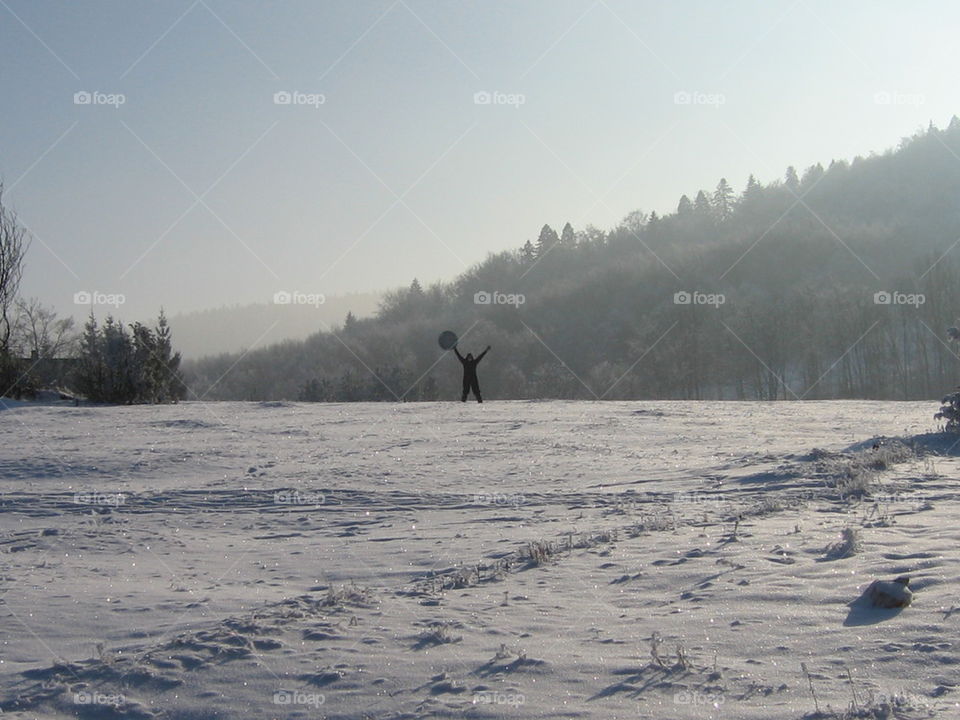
(834,282)
(837,282)
(116,365)
(108,363)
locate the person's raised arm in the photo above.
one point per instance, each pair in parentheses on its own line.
(457,352)
(480,356)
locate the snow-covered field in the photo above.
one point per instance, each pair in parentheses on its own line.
(511,559)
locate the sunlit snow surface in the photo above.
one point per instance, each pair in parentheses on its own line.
(178,561)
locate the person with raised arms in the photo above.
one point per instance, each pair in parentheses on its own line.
(470,381)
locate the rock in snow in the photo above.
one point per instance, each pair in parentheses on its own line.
(885,594)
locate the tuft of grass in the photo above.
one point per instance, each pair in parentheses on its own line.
(655,642)
(853,474)
(683,661)
(854,481)
(816,703)
(848,545)
(653,522)
(437,633)
(878,516)
(348,596)
(767,506)
(538,552)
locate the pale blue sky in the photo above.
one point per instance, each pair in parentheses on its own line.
(303,197)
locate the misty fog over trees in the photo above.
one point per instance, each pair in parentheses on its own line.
(796,288)
(232,328)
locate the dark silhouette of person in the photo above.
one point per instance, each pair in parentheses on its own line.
(470,381)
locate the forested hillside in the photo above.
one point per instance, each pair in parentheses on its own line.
(836,282)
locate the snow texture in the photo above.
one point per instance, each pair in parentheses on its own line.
(515,559)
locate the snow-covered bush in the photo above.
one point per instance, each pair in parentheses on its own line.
(950,411)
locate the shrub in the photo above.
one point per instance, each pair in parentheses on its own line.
(950,411)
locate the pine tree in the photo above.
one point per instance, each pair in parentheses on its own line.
(138,366)
(349,322)
(701,206)
(546,240)
(791,180)
(684,207)
(528,253)
(568,238)
(145,374)
(723,200)
(750,205)
(90,373)
(169,385)
(118,362)
(811,176)
(752,194)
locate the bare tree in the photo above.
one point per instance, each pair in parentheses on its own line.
(38,332)
(13,246)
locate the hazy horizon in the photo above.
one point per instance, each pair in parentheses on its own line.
(150,149)
(233,328)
